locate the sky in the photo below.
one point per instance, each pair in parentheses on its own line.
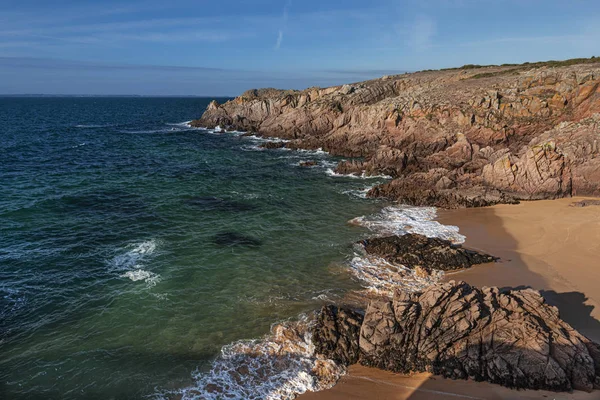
(224,47)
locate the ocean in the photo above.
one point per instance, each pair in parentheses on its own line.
(143,258)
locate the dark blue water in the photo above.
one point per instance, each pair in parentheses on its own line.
(132,247)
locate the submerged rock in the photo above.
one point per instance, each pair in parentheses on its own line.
(273,145)
(235,239)
(211,203)
(413,250)
(512,338)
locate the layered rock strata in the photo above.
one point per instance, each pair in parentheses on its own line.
(511,337)
(456,138)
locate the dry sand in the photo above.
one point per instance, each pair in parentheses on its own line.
(547,245)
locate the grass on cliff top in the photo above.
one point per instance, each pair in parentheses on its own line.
(524,66)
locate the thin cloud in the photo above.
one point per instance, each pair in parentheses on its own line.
(279,40)
(284,19)
(51,63)
(423,30)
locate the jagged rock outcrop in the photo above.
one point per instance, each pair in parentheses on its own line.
(336,334)
(412,250)
(511,337)
(491,135)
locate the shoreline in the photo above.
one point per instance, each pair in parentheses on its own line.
(547,245)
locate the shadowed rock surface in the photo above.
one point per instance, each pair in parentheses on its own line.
(512,338)
(412,250)
(456,138)
(336,334)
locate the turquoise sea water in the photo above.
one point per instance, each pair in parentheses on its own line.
(132,247)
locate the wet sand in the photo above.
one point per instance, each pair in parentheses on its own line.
(546,245)
(373,384)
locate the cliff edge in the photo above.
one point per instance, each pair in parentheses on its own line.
(466,137)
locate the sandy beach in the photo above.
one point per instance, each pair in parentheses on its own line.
(547,245)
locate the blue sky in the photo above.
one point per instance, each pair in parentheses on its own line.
(185,47)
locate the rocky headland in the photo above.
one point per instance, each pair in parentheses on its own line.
(465,137)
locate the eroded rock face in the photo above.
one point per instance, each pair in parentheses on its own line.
(336,334)
(511,338)
(490,135)
(412,250)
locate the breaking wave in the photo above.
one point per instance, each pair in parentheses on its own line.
(384,277)
(90,126)
(279,366)
(400,220)
(331,172)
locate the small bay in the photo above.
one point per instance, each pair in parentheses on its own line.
(132,247)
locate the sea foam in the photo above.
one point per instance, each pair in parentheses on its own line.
(400,220)
(132,261)
(279,366)
(331,172)
(383,277)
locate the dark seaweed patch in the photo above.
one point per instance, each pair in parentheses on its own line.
(235,239)
(210,203)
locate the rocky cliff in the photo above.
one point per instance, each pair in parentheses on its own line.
(509,337)
(454,138)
